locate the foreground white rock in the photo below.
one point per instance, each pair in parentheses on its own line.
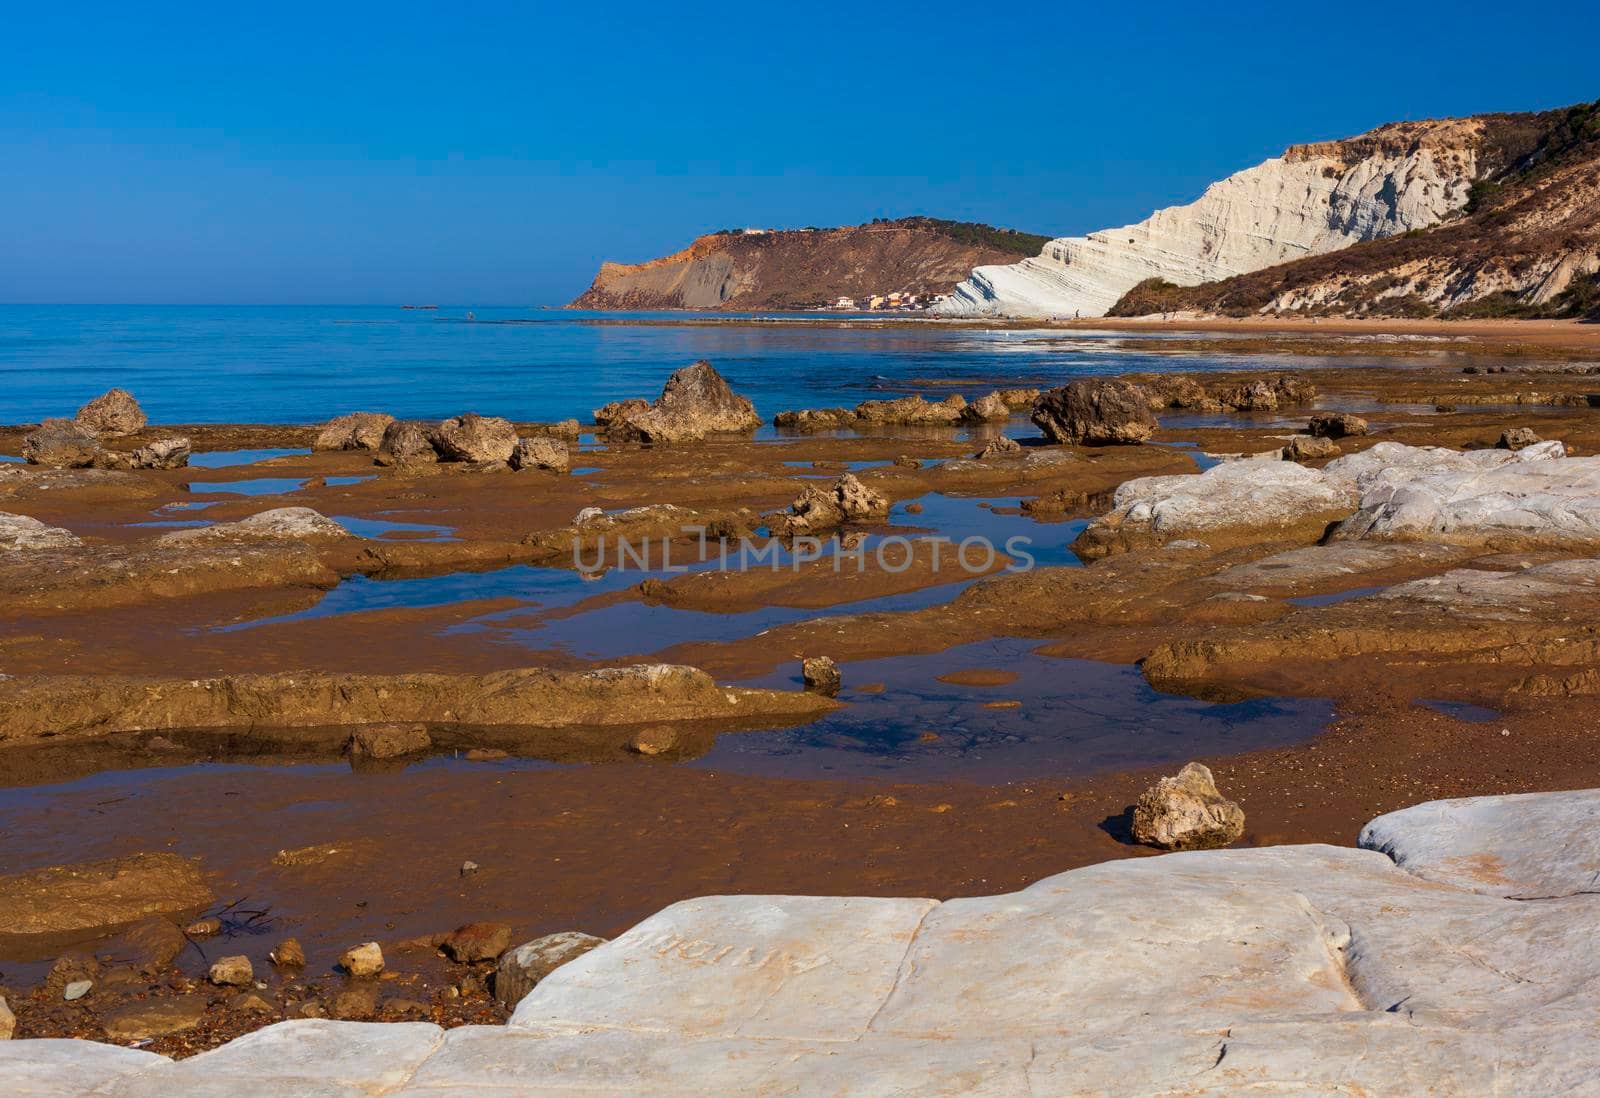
(1466,969)
(1313,199)
(26,532)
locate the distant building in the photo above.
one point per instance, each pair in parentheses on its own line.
(845,303)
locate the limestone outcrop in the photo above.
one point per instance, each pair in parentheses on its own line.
(355,431)
(1453,955)
(1311,200)
(696,401)
(1095,412)
(113,412)
(25,532)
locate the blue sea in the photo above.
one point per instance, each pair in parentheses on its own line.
(293,364)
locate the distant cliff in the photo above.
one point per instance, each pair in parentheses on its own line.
(1311,201)
(803,268)
(1525,243)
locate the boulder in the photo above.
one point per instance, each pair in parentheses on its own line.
(1095,412)
(474,438)
(114,412)
(619,410)
(1310,448)
(523,967)
(278,524)
(1250,396)
(1336,425)
(1187,813)
(1178,391)
(540,453)
(1515,438)
(991,407)
(696,401)
(476,942)
(355,431)
(362,961)
(233,971)
(163,453)
(404,443)
(821,674)
(99,895)
(388,741)
(21,532)
(913,410)
(61,444)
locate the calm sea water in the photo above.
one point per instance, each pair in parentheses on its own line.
(286,364)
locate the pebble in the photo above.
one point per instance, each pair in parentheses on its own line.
(289,954)
(204,928)
(363,960)
(468,868)
(77,989)
(233,971)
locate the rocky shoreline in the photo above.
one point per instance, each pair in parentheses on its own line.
(442,610)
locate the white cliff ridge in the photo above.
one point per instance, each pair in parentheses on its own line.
(1313,199)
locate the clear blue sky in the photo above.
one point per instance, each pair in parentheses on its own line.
(495,153)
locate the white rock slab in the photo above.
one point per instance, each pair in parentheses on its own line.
(21,532)
(66,1068)
(1522,846)
(730,966)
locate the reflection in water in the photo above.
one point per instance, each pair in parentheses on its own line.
(222,459)
(1076,717)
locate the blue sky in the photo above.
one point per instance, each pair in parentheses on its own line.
(495,153)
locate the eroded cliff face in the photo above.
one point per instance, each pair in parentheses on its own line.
(805,268)
(1527,244)
(1311,200)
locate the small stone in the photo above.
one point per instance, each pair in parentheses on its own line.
(913,508)
(485,754)
(1187,812)
(248,1002)
(233,971)
(204,928)
(999,447)
(77,989)
(469,868)
(313,1010)
(523,967)
(906,462)
(387,741)
(821,674)
(363,961)
(1515,438)
(289,954)
(1309,447)
(653,741)
(155,1018)
(476,942)
(1336,425)
(540,453)
(404,1008)
(355,1003)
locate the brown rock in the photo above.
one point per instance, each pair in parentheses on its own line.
(114,412)
(1187,812)
(821,674)
(405,443)
(61,444)
(476,942)
(540,453)
(203,928)
(1336,425)
(1000,446)
(474,438)
(815,419)
(387,741)
(913,410)
(153,944)
(248,1002)
(163,453)
(155,1018)
(1095,412)
(356,431)
(696,401)
(362,961)
(233,971)
(1515,438)
(619,410)
(289,954)
(990,407)
(356,1003)
(95,895)
(653,741)
(1308,448)
(523,967)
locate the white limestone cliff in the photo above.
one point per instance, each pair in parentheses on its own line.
(1313,199)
